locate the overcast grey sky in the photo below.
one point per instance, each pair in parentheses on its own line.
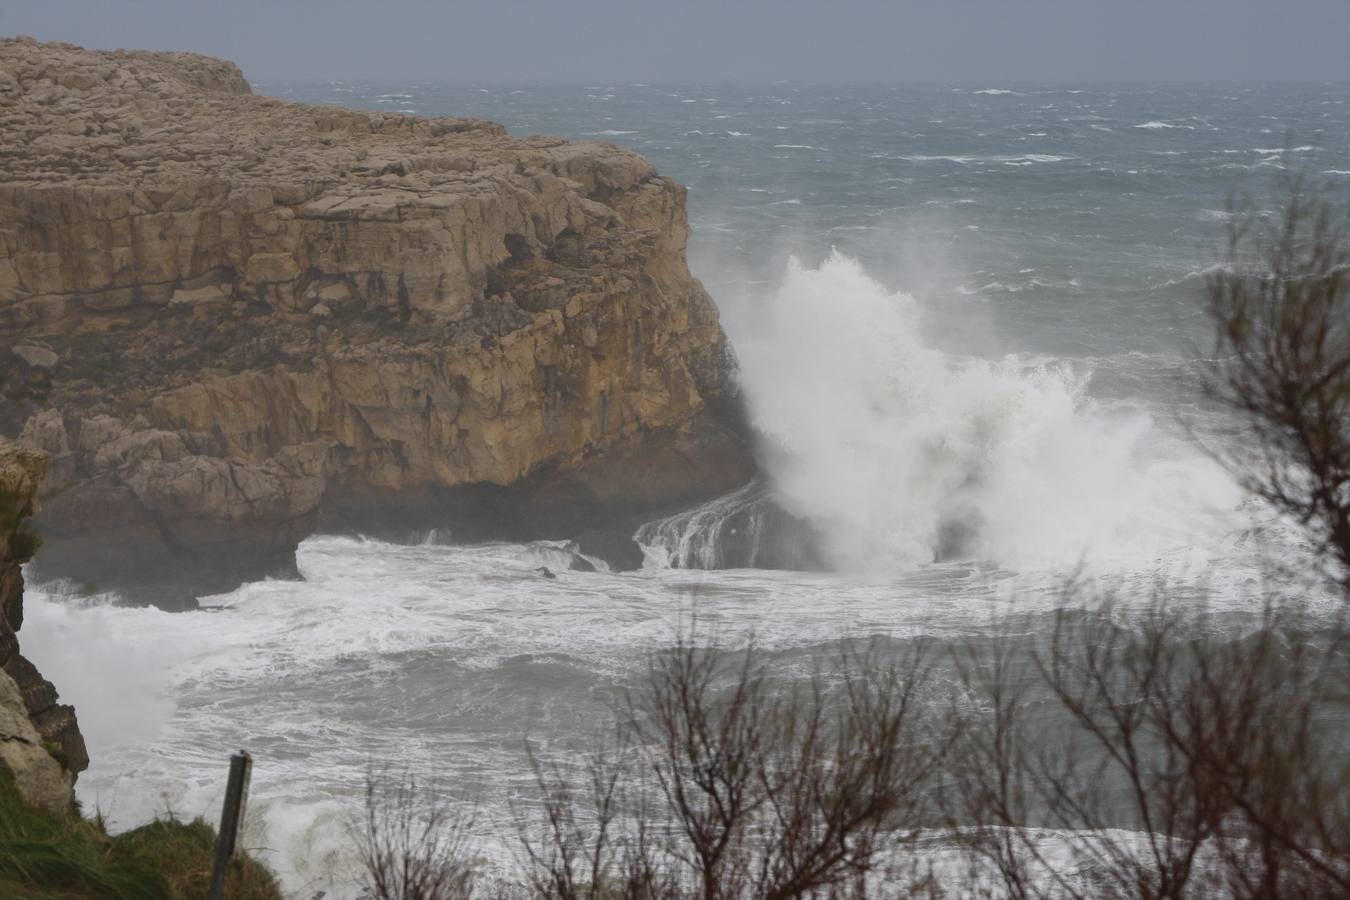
(846,40)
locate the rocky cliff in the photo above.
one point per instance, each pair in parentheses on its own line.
(231,320)
(40,741)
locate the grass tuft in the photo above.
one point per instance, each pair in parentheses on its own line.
(66,857)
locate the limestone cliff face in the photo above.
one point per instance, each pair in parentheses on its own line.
(40,741)
(231,320)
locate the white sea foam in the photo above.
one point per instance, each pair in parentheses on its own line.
(432,657)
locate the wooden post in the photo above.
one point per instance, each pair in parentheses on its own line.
(231,819)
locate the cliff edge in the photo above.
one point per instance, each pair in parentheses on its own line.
(40,741)
(231,321)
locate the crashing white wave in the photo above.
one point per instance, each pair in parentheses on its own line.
(899,454)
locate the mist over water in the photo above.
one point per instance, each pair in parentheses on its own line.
(962,316)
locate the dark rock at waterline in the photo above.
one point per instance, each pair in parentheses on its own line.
(545,572)
(580,563)
(614,544)
(117,546)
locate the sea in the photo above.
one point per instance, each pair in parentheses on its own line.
(969,321)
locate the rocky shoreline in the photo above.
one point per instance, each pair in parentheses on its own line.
(40,740)
(231,321)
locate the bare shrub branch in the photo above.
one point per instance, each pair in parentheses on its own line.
(412,844)
(1281,360)
(730,784)
(1172,757)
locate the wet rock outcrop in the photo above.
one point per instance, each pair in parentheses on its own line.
(231,320)
(40,741)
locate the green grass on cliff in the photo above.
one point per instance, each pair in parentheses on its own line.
(70,858)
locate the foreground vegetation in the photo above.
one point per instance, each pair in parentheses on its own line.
(68,857)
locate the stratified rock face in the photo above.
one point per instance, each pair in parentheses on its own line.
(231,319)
(40,741)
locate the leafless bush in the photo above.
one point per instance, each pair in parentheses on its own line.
(1281,360)
(1171,759)
(412,844)
(728,784)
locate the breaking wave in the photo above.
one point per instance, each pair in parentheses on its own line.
(898,454)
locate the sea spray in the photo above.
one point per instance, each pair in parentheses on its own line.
(899,454)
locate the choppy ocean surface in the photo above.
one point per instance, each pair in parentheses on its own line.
(962,306)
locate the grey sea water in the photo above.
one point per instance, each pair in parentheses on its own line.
(968,305)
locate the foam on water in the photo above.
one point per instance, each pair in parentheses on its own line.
(438,658)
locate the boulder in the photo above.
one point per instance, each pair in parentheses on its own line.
(35,356)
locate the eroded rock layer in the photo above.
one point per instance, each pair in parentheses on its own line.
(231,320)
(40,741)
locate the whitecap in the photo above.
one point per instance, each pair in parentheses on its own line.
(1207,271)
(956,159)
